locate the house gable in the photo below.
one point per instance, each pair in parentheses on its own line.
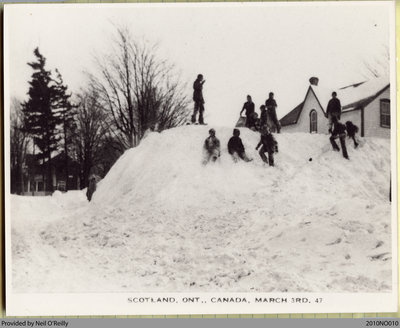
(303,111)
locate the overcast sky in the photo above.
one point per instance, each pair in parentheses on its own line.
(240,49)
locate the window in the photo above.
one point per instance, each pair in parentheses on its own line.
(40,186)
(385,113)
(61,185)
(313,121)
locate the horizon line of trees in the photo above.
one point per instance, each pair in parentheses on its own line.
(130,92)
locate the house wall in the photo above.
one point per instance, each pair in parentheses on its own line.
(303,123)
(372,119)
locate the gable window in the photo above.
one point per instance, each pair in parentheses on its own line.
(313,121)
(385,113)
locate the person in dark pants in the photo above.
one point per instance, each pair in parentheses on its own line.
(198,99)
(212,148)
(334,109)
(271,105)
(91,187)
(268,144)
(338,131)
(236,148)
(351,132)
(249,107)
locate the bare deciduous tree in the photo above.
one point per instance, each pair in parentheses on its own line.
(379,65)
(90,132)
(138,90)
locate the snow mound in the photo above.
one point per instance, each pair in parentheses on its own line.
(161,221)
(165,171)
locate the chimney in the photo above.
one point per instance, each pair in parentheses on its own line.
(313,80)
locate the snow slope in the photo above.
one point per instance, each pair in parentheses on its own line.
(160,221)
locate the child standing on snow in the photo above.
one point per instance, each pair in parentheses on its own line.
(268,144)
(338,131)
(211,147)
(91,187)
(236,148)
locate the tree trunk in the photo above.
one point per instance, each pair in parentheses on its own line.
(66,158)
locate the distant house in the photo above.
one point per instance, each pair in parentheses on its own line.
(36,173)
(366,104)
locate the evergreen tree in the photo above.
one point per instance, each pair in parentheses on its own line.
(40,119)
(65,112)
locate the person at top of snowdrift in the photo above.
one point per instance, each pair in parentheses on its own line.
(269,145)
(249,107)
(338,131)
(271,105)
(334,109)
(198,99)
(236,148)
(351,132)
(212,148)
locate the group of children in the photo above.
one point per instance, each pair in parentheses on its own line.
(267,117)
(339,131)
(268,144)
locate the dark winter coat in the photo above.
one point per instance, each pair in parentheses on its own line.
(270,103)
(235,145)
(334,106)
(249,107)
(351,129)
(268,141)
(91,188)
(263,117)
(339,129)
(198,91)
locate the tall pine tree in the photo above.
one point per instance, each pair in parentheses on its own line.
(65,112)
(40,118)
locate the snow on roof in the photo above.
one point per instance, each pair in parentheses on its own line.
(360,91)
(352,93)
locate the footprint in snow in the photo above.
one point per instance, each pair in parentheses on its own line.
(337,241)
(380,257)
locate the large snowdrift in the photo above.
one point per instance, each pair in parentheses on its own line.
(161,221)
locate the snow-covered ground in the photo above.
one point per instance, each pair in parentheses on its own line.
(160,221)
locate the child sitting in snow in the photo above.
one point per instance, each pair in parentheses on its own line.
(211,148)
(236,148)
(269,145)
(338,131)
(351,132)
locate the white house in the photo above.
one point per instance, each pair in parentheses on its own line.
(366,104)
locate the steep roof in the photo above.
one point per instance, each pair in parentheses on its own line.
(293,116)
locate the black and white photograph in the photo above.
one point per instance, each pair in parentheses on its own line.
(200,158)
